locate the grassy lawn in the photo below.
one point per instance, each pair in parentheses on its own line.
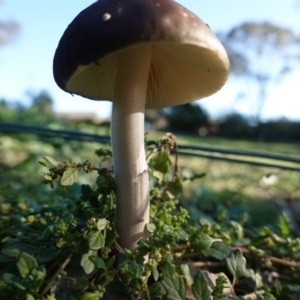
(263,193)
(235,202)
(280,147)
(240,187)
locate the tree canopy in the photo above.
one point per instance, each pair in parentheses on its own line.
(8,30)
(261,53)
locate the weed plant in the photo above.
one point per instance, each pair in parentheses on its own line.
(66,248)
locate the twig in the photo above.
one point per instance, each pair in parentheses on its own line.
(153,151)
(118,247)
(273,259)
(87,137)
(54,277)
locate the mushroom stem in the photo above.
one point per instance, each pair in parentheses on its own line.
(127,133)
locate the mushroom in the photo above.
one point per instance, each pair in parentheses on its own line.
(138,54)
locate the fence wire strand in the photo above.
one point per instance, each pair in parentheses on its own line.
(186,150)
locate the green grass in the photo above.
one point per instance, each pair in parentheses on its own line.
(241,199)
(263,193)
(279,147)
(242,186)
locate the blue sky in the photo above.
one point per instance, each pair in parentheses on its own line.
(26,64)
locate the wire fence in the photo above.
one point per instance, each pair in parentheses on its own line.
(213,153)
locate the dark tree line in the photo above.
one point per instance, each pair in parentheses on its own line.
(237,126)
(191,119)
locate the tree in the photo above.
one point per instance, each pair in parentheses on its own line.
(187,118)
(43,102)
(261,53)
(8,30)
(235,125)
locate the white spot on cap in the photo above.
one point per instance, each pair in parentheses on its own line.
(120,9)
(185,15)
(106,17)
(167,21)
(157,4)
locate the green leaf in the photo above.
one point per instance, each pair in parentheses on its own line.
(295,288)
(48,178)
(96,240)
(88,296)
(98,262)
(43,163)
(25,264)
(182,235)
(111,236)
(236,264)
(38,273)
(239,230)
(172,282)
(47,255)
(200,287)
(267,232)
(186,273)
(154,273)
(29,297)
(157,290)
(69,177)
(52,161)
(161,162)
(135,270)
(15,250)
(158,175)
(150,227)
(61,243)
(110,263)
(8,278)
(86,263)
(68,219)
(200,241)
(218,250)
(175,187)
(5,259)
(81,284)
(194,177)
(284,225)
(101,224)
(19,286)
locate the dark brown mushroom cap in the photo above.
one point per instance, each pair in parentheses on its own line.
(188,61)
